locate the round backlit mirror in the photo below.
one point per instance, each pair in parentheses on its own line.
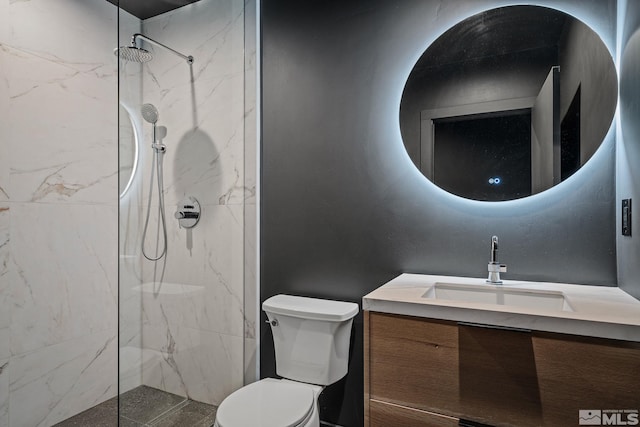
(508,103)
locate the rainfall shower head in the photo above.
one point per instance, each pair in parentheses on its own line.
(137,54)
(150,113)
(133,54)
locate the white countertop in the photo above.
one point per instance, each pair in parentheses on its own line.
(599,311)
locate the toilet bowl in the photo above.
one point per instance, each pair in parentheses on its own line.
(311,340)
(271,403)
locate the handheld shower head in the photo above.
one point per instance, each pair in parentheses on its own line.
(150,113)
(133,53)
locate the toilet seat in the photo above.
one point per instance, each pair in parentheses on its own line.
(267,403)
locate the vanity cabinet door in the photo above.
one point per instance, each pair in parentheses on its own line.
(482,374)
(494,376)
(582,373)
(497,376)
(413,363)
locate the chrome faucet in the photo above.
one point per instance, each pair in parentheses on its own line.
(494,267)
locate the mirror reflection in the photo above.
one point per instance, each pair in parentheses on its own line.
(127,150)
(508,103)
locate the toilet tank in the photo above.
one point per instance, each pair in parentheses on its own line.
(311,337)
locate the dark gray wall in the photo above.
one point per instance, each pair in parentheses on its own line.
(344,209)
(628,184)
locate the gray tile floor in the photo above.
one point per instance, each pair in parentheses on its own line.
(145,406)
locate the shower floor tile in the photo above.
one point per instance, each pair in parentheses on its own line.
(144,404)
(145,407)
(194,414)
(102,415)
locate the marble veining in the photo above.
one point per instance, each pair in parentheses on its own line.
(4,392)
(46,384)
(204,141)
(53,183)
(39,169)
(58,177)
(55,283)
(250,207)
(204,366)
(192,302)
(211,269)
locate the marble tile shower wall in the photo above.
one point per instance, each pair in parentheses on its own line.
(58,209)
(250,177)
(193,306)
(130,224)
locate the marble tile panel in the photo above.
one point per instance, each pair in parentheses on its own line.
(202,285)
(250,294)
(250,267)
(212,31)
(78,30)
(63,274)
(250,99)
(4,113)
(61,151)
(5,312)
(4,392)
(250,361)
(205,140)
(102,415)
(131,222)
(5,336)
(130,99)
(130,300)
(204,366)
(251,145)
(130,366)
(5,32)
(250,153)
(56,382)
(250,34)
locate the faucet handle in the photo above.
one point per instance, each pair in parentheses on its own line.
(495,267)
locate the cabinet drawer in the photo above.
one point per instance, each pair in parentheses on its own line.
(385,415)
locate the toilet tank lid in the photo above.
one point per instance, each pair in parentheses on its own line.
(310,308)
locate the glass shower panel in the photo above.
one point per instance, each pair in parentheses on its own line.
(181,321)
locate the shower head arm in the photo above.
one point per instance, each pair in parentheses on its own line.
(188,58)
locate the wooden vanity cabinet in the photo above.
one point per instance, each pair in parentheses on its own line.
(425,372)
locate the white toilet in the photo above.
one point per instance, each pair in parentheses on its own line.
(311,339)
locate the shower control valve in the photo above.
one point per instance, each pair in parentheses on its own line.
(188,213)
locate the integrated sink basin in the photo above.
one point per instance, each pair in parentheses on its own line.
(565,308)
(499,295)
